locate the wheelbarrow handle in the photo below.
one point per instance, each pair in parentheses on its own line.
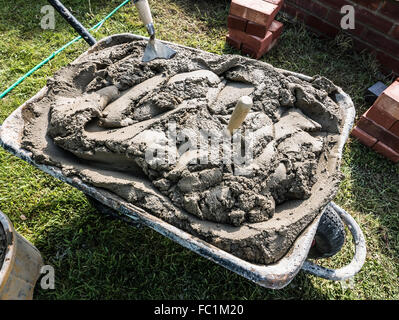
(68,16)
(358,260)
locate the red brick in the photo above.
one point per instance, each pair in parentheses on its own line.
(337,4)
(245,50)
(256,54)
(257,11)
(378,132)
(395,129)
(321,26)
(255,43)
(389,100)
(358,31)
(272,45)
(334,17)
(278,3)
(290,10)
(395,32)
(386,151)
(277,29)
(369,4)
(257,29)
(260,31)
(380,117)
(388,62)
(233,42)
(381,42)
(234,22)
(372,20)
(363,137)
(312,7)
(360,45)
(293,12)
(301,15)
(390,9)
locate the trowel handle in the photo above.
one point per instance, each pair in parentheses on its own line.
(145,15)
(240,112)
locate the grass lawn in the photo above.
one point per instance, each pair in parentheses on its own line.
(98,258)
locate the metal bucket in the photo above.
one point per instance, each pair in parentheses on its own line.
(21,266)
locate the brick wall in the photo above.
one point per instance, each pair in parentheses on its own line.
(376,24)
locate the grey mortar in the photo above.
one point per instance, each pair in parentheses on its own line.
(101,114)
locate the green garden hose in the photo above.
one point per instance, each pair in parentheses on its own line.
(98,25)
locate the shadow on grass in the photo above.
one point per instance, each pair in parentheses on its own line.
(213,13)
(372,183)
(97,257)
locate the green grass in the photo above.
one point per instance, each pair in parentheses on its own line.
(96,257)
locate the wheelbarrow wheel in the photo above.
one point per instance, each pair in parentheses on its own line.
(330,236)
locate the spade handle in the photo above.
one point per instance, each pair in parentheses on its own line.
(68,16)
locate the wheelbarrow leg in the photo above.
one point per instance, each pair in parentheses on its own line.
(68,16)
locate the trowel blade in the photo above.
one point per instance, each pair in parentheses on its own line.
(157,50)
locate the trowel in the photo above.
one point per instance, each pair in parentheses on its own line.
(155,49)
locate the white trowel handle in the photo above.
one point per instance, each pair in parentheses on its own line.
(240,112)
(145,15)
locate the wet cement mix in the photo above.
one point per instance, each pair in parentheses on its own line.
(112,120)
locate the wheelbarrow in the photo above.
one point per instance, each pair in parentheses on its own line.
(321,238)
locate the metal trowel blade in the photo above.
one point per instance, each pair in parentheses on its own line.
(157,50)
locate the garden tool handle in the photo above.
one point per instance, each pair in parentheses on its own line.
(68,16)
(240,112)
(144,10)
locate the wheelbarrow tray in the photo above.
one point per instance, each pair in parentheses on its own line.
(274,276)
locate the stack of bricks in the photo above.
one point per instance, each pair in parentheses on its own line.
(378,128)
(252,28)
